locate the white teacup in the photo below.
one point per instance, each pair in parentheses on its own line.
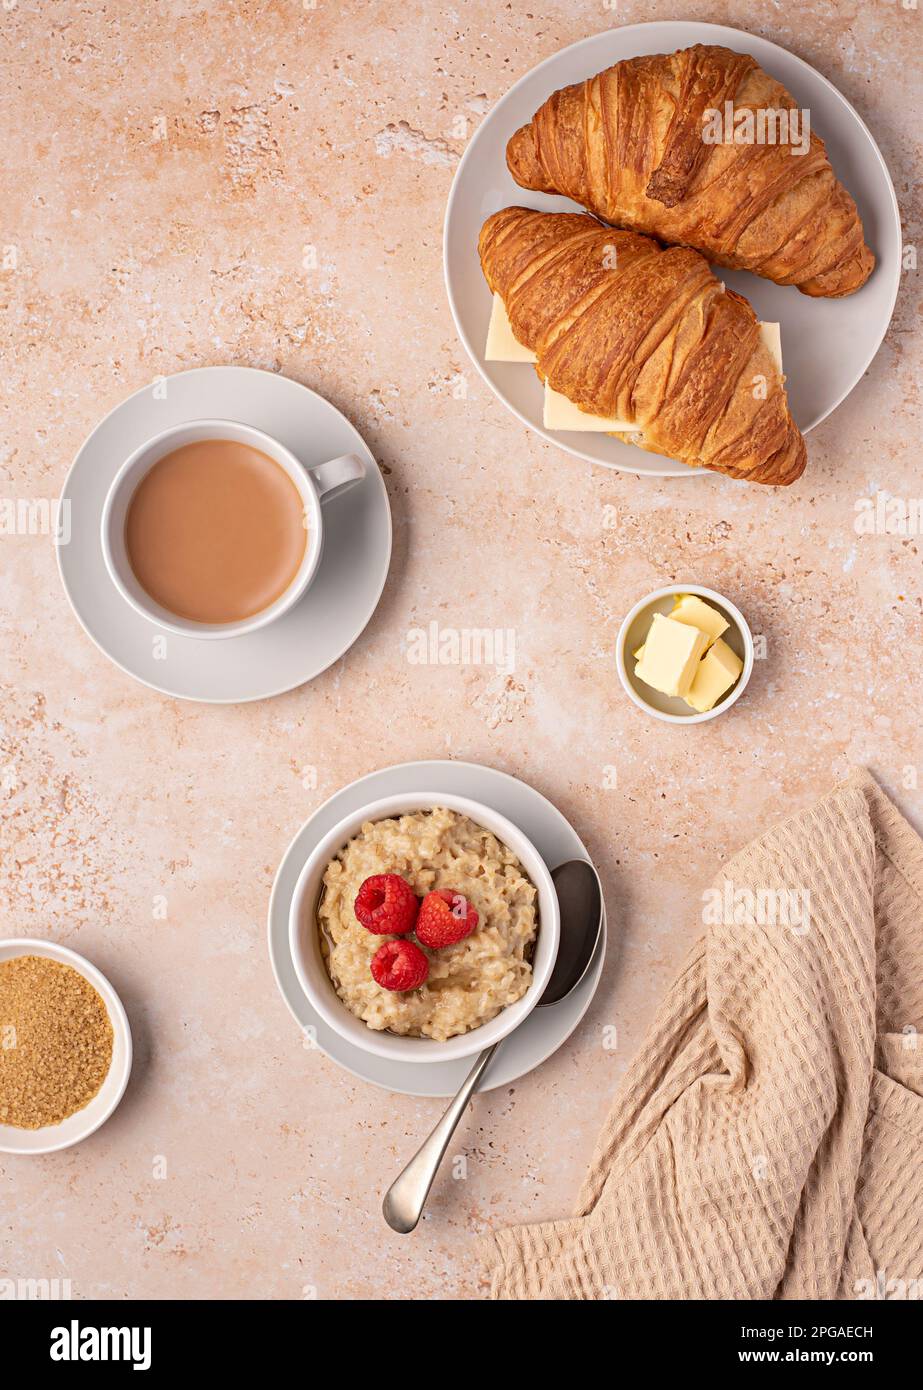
(316,484)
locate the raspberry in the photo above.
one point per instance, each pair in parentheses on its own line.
(445,917)
(387,905)
(399,965)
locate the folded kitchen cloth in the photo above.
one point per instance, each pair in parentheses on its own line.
(766,1142)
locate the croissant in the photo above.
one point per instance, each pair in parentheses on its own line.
(627,329)
(635,145)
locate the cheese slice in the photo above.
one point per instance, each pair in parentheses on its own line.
(502,343)
(771,333)
(558,412)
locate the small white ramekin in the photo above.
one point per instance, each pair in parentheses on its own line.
(312,973)
(633,632)
(83,1122)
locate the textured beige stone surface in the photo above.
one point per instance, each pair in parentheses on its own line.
(166,167)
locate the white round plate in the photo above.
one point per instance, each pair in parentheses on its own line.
(827,344)
(542,1033)
(83,1122)
(303,642)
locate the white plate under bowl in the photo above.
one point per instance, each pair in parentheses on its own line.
(827,344)
(304,641)
(541,1033)
(83,1122)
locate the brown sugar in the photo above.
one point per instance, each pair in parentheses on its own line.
(55,1042)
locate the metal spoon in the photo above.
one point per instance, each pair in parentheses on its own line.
(581,901)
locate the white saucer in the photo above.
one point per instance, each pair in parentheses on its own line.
(827,344)
(542,1033)
(302,643)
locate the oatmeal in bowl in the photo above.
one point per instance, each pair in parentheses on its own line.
(424,928)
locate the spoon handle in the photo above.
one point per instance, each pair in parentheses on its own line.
(406,1197)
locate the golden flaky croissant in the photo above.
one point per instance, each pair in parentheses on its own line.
(626,329)
(635,145)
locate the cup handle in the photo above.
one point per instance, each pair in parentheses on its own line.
(337,475)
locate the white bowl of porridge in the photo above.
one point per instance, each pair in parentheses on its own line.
(476,989)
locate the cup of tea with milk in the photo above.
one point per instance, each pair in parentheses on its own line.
(214,529)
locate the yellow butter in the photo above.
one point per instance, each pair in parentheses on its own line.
(670,656)
(689,608)
(717,672)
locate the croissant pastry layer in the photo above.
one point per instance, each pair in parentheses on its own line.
(635,145)
(625,328)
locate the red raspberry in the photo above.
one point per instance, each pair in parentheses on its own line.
(387,905)
(399,965)
(445,917)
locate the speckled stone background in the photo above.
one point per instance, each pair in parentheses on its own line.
(166,166)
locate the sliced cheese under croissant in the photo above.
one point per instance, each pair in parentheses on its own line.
(558,412)
(626,329)
(631,145)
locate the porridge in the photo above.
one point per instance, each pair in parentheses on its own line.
(479,909)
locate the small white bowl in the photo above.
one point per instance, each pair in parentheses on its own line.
(633,633)
(83,1122)
(312,973)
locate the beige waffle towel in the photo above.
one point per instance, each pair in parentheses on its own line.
(768,1140)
